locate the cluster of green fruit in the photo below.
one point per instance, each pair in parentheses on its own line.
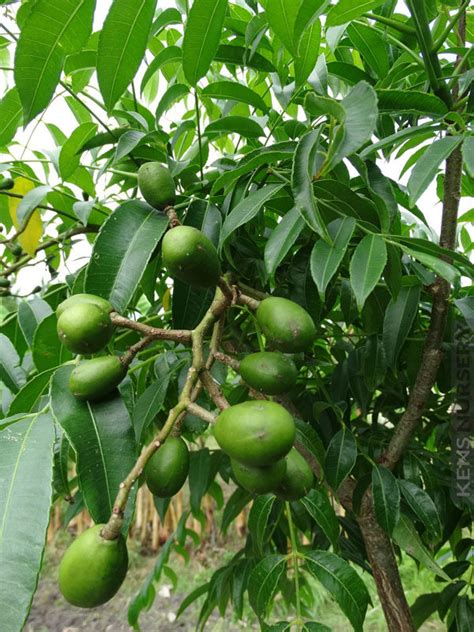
(257,435)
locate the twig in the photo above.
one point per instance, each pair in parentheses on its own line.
(213,389)
(202,413)
(226,359)
(151,333)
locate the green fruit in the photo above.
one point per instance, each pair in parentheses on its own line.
(270,373)
(255,432)
(168,468)
(94,379)
(191,257)
(16,250)
(84,328)
(259,480)
(298,479)
(93,569)
(156,185)
(6,183)
(286,324)
(80,299)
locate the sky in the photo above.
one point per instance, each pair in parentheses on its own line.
(38,137)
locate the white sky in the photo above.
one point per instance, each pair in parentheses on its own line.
(38,137)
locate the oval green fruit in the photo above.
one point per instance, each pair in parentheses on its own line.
(191,257)
(259,480)
(269,372)
(84,328)
(256,432)
(80,299)
(93,569)
(96,378)
(156,185)
(168,468)
(298,479)
(286,324)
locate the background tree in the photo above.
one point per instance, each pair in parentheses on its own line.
(274,120)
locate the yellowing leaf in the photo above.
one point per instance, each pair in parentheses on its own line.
(30,237)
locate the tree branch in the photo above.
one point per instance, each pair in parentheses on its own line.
(151,333)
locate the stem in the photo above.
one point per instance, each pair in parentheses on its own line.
(449,26)
(295,560)
(220,303)
(201,412)
(226,359)
(214,391)
(151,333)
(42,206)
(401,27)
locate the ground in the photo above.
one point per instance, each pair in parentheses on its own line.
(50,612)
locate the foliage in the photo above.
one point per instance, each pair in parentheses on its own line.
(275,120)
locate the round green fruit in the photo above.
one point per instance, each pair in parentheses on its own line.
(93,569)
(191,257)
(286,324)
(259,480)
(81,299)
(168,468)
(298,479)
(84,328)
(255,432)
(96,378)
(269,372)
(156,185)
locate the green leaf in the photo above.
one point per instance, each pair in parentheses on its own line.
(464,614)
(11,373)
(386,497)
(240,125)
(127,143)
(233,91)
(366,267)
(411,101)
(308,52)
(48,351)
(441,267)
(306,163)
(25,499)
(169,55)
(239,499)
(29,203)
(325,260)
(52,29)
(425,170)
(398,320)
(340,458)
(371,46)
(281,15)
(466,307)
(263,582)
(69,159)
(241,56)
(122,45)
(148,406)
(101,435)
(30,315)
(407,538)
(467,150)
(343,584)
(318,105)
(247,209)
(360,107)
(202,35)
(122,250)
(258,519)
(11,112)
(422,506)
(282,239)
(174,93)
(320,509)
(203,467)
(346,10)
(28,397)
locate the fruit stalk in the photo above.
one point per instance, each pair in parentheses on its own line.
(153,333)
(213,389)
(112,529)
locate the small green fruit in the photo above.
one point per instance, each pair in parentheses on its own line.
(156,185)
(93,569)
(259,480)
(168,468)
(269,372)
(191,257)
(96,378)
(286,324)
(84,328)
(80,299)
(298,479)
(255,432)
